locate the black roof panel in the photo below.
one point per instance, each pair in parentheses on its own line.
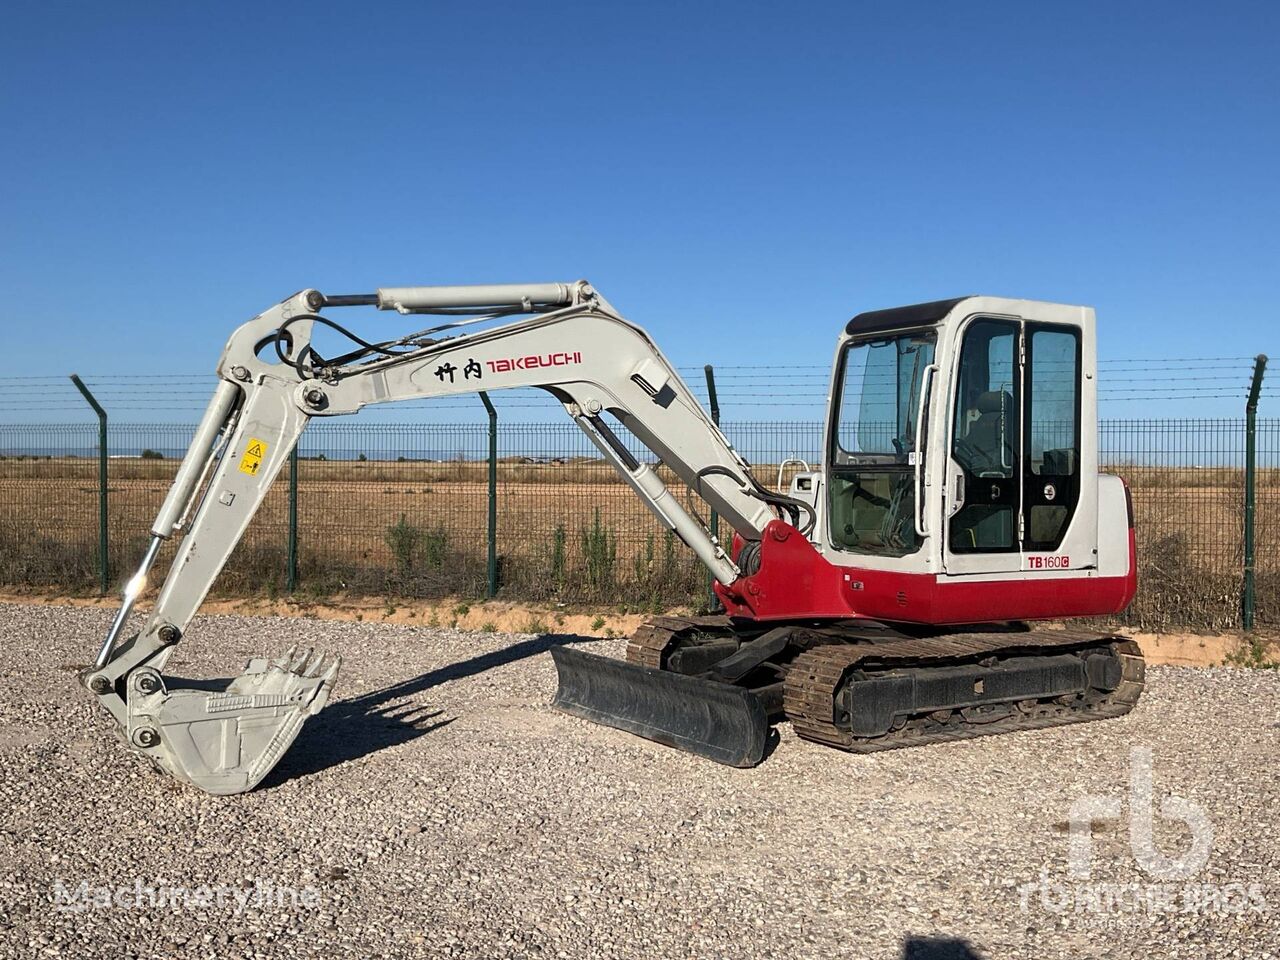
(915,315)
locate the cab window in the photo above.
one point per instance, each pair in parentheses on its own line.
(986,439)
(872,492)
(1053,434)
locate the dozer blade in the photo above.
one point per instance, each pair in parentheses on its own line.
(718,721)
(226,741)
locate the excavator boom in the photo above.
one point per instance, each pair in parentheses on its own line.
(272,383)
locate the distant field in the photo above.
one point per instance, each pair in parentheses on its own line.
(576,470)
(347,510)
(1189,524)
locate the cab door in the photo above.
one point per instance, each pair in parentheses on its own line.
(1014,467)
(983,491)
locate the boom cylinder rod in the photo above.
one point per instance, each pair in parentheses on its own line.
(409,299)
(131,591)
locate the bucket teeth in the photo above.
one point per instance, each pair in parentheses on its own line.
(226,742)
(314,665)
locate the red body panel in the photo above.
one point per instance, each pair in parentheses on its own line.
(795,582)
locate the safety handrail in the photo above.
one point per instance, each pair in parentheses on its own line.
(783,466)
(926,381)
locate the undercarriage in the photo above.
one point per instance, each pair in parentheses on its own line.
(713,686)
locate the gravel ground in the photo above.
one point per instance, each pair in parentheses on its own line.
(438,807)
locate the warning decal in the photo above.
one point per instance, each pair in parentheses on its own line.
(253,454)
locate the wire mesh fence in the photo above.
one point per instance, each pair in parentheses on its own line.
(1186,481)
(401,510)
(1267,523)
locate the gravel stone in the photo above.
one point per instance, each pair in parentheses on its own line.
(438,808)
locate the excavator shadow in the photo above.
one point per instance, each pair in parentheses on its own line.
(939,948)
(346,730)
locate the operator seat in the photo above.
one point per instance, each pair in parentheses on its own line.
(991,433)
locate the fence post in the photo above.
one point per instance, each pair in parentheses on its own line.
(1250,493)
(492,588)
(291,574)
(104,573)
(714,401)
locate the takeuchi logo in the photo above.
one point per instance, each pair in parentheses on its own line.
(534,361)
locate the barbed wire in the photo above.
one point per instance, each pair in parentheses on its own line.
(753,386)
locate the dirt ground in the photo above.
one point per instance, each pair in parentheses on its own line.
(439,807)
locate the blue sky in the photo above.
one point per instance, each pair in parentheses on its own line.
(738,178)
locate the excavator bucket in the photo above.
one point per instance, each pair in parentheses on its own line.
(225,741)
(719,721)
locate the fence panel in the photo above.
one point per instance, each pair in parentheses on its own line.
(1186,478)
(49,505)
(1267,526)
(400,509)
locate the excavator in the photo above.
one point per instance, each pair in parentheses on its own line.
(884,600)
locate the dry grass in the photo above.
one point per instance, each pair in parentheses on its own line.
(1193,478)
(346,510)
(591,470)
(1189,526)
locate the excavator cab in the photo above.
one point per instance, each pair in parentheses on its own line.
(960,482)
(960,372)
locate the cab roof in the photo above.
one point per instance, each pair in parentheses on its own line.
(895,318)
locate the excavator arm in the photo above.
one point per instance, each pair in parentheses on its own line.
(272,382)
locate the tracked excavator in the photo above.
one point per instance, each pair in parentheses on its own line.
(882,600)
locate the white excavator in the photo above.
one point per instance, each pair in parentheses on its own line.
(882,601)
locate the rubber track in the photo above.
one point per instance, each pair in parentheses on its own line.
(650,643)
(815,675)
